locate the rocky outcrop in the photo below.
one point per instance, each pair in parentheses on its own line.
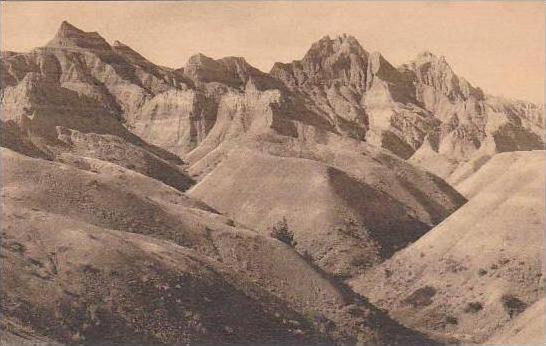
(333,77)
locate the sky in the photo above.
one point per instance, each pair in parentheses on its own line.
(498,46)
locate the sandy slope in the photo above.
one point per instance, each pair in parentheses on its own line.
(526,329)
(479,268)
(500,166)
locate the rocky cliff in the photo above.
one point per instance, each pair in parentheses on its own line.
(421,109)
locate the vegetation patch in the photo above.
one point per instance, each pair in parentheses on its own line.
(281,232)
(512,305)
(452,320)
(473,307)
(482,272)
(421,297)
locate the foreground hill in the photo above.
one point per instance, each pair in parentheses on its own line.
(99,197)
(481,267)
(79,283)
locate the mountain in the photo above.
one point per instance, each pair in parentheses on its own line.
(192,172)
(420,111)
(69,96)
(103,97)
(481,267)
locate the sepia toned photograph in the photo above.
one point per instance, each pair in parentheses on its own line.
(272,173)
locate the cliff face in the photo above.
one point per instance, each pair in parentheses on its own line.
(422,106)
(80,81)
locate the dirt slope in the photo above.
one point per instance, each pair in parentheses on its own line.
(478,269)
(103,195)
(347,216)
(498,167)
(79,283)
(526,329)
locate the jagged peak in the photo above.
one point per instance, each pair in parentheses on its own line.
(327,46)
(128,52)
(67,28)
(441,75)
(341,58)
(69,36)
(429,57)
(199,59)
(119,44)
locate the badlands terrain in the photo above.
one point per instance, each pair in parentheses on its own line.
(335,200)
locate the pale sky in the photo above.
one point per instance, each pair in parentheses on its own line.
(498,46)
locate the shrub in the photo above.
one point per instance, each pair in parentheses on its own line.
(281,232)
(421,297)
(388,273)
(482,272)
(512,305)
(452,320)
(473,307)
(307,256)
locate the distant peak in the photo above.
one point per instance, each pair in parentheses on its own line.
(199,58)
(67,28)
(69,36)
(128,52)
(427,56)
(118,44)
(340,44)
